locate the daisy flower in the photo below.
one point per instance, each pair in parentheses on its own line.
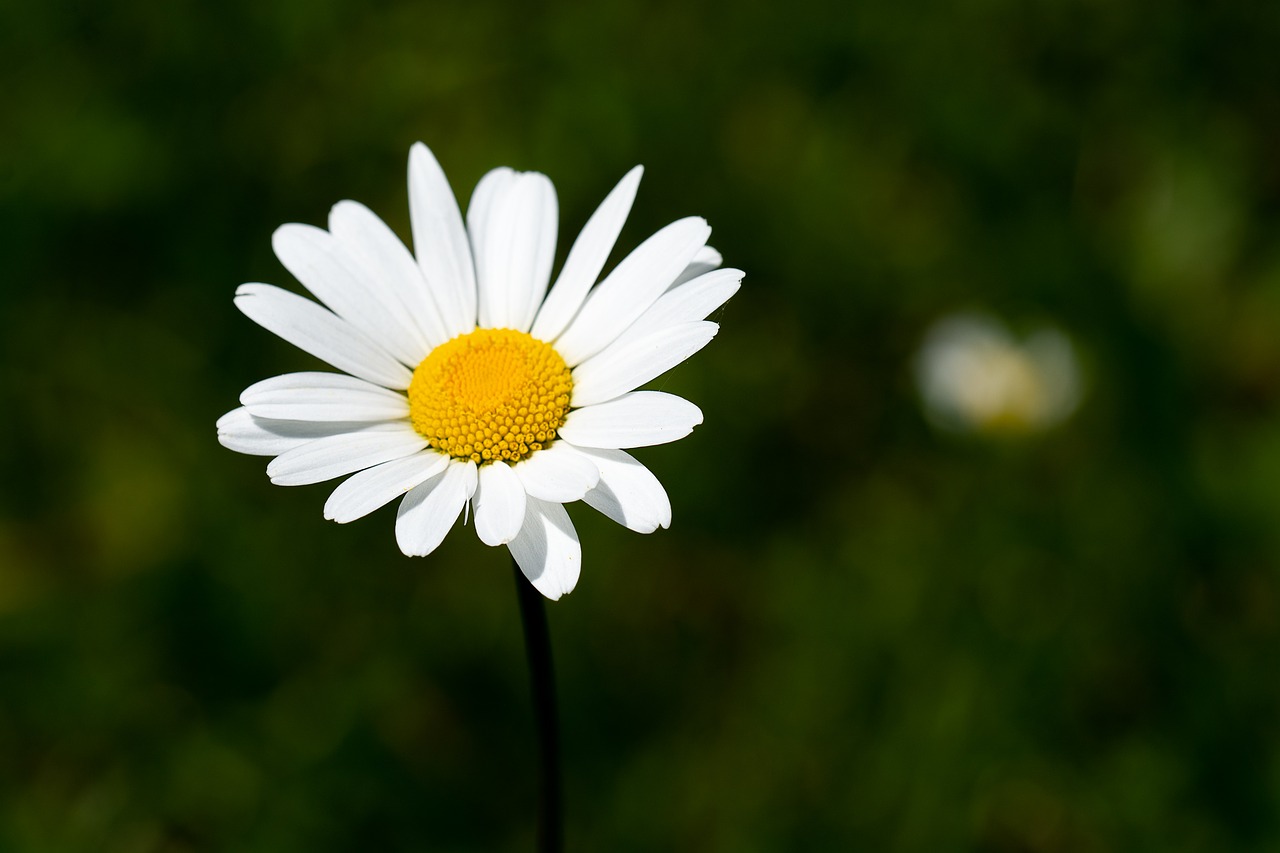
(975,376)
(468,379)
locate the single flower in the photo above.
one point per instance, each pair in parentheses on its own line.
(467,379)
(975,376)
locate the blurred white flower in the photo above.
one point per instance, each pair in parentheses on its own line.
(974,376)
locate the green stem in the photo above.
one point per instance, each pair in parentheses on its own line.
(537,642)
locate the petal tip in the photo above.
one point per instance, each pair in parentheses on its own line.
(419,150)
(346,207)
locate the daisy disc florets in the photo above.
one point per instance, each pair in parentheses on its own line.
(469,378)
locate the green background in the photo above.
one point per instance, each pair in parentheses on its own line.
(858,634)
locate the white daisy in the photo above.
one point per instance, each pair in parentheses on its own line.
(467,380)
(975,376)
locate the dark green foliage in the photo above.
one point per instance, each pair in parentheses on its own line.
(858,634)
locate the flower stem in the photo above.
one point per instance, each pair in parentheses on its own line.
(537,642)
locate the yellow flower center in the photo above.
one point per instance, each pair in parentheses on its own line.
(490,394)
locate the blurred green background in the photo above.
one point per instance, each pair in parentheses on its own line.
(859,633)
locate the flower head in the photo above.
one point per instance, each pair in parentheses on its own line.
(468,378)
(974,376)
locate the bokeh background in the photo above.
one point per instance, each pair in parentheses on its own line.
(860,633)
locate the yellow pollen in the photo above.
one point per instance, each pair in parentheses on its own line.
(490,394)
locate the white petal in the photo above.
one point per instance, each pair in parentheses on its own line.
(628,492)
(242,432)
(499,504)
(638,419)
(627,364)
(440,242)
(367,490)
(686,303)
(548,230)
(429,511)
(328,337)
(587,258)
(323,397)
(327,458)
(325,267)
(495,185)
(512,222)
(559,473)
(547,549)
(665,335)
(492,185)
(390,264)
(704,262)
(633,286)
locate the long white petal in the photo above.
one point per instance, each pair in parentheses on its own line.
(548,231)
(513,232)
(633,286)
(559,473)
(430,509)
(628,492)
(240,431)
(323,397)
(704,262)
(638,419)
(390,264)
(627,364)
(327,269)
(586,258)
(440,242)
(494,186)
(547,549)
(499,504)
(686,303)
(327,458)
(328,337)
(367,490)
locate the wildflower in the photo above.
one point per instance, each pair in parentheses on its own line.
(974,376)
(468,379)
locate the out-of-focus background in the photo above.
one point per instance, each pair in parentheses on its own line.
(877,623)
